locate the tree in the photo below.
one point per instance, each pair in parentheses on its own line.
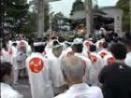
(31,25)
(14,15)
(124,5)
(78,5)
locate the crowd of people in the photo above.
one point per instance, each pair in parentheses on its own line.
(56,68)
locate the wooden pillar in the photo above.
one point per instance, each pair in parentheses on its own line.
(40,8)
(88,8)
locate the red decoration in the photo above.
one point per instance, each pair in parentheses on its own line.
(103,54)
(36,65)
(93,58)
(111,60)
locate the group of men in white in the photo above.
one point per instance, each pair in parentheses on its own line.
(61,70)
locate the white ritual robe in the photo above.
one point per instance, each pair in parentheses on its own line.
(41,86)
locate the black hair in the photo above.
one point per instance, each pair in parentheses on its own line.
(40,48)
(5,69)
(92,48)
(55,43)
(4,45)
(39,39)
(53,37)
(77,48)
(30,41)
(105,45)
(61,39)
(14,44)
(118,50)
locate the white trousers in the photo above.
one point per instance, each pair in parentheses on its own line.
(15,75)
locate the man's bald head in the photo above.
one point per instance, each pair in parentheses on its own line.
(73,67)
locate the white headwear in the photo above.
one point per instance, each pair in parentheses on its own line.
(77,41)
(39,43)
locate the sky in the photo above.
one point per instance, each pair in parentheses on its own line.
(65,6)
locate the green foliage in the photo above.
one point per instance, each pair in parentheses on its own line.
(31,26)
(20,18)
(16,14)
(124,5)
(78,5)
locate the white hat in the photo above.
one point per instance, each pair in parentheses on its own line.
(66,42)
(39,43)
(77,41)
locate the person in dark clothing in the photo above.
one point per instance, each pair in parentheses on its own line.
(112,37)
(128,35)
(116,78)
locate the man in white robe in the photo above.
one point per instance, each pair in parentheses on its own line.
(54,63)
(38,71)
(77,48)
(72,69)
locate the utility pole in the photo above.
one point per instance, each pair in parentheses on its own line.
(88,8)
(40,5)
(50,21)
(40,12)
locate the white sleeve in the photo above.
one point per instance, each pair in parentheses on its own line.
(11,94)
(96,93)
(17,95)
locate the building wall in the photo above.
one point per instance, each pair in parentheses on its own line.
(78,15)
(117,15)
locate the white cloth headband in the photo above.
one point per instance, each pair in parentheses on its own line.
(39,43)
